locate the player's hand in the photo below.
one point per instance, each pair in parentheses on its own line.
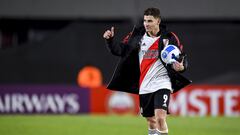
(178,66)
(109,33)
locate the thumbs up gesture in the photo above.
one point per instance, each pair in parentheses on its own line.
(108,34)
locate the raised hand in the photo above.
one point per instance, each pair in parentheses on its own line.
(109,33)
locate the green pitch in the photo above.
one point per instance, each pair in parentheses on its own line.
(112,125)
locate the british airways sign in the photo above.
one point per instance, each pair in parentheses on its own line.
(43,99)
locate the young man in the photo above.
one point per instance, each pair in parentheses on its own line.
(141,70)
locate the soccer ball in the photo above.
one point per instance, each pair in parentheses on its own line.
(170,54)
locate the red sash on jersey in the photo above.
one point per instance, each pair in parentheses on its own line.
(149,58)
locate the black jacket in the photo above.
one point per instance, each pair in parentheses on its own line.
(127,73)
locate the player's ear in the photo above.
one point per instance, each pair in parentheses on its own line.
(159,20)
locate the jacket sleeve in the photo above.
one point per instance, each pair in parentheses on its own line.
(118,49)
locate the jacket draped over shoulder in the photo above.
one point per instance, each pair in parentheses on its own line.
(127,73)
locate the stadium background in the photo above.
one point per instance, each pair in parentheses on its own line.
(45,44)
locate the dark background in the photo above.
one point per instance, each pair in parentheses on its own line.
(48,46)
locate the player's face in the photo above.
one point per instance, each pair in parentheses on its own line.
(150,23)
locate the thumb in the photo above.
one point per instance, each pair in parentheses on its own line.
(112,31)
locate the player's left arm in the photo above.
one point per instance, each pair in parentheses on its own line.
(181,64)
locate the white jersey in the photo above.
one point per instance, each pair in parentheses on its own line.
(153,75)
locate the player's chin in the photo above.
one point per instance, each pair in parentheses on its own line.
(147,29)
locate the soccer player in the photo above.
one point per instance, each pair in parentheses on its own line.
(142,71)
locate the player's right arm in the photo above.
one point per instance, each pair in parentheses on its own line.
(117,49)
